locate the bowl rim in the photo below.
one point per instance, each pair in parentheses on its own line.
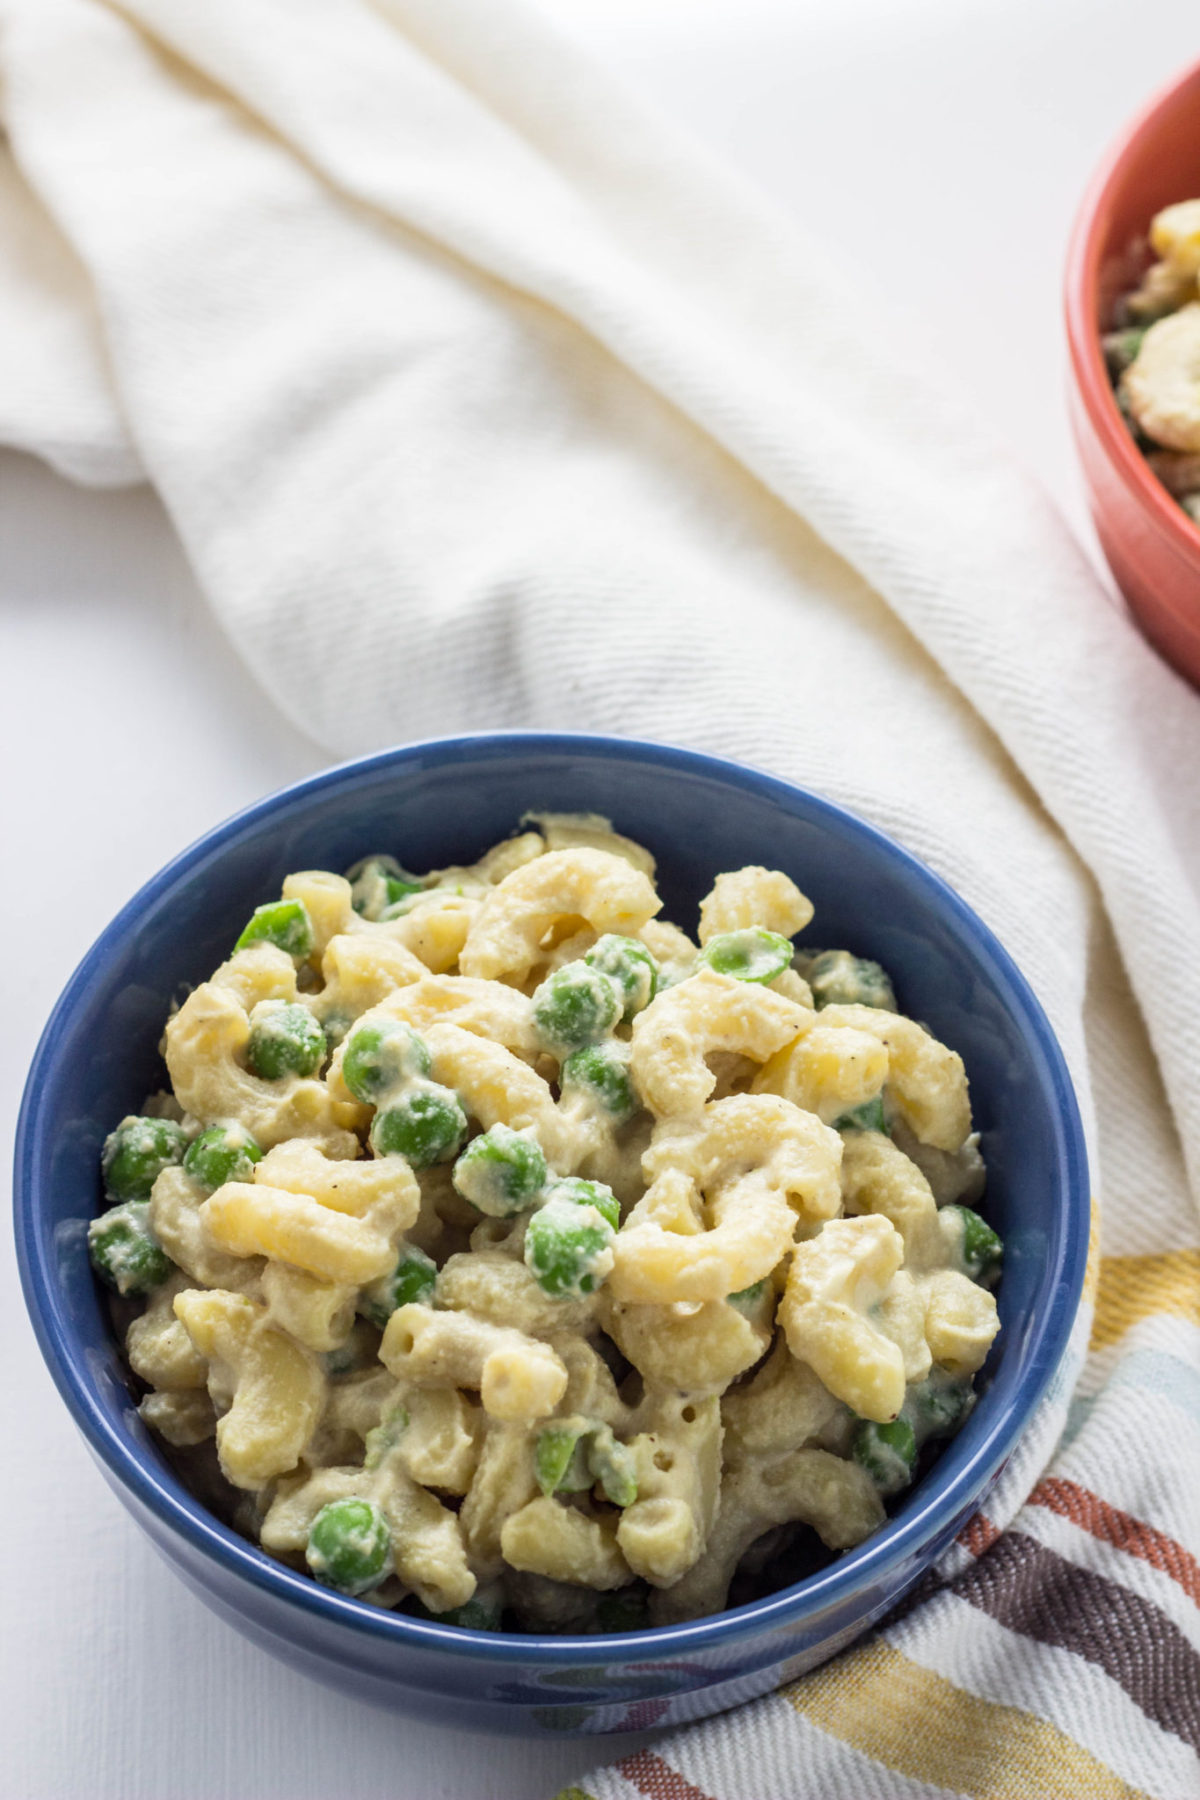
(872,1562)
(1080,305)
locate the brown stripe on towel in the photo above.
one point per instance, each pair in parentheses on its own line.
(1030,1589)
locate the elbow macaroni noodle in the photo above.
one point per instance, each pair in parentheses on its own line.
(509,1249)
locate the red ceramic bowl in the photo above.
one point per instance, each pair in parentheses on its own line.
(1153,548)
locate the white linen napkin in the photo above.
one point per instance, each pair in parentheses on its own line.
(480,399)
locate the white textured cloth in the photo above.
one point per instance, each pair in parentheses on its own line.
(480,400)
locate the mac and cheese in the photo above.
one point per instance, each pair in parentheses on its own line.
(524,1263)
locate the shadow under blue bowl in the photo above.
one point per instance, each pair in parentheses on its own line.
(444,802)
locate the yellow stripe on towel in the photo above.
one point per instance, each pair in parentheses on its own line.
(920,1725)
(1134,1287)
(1091,1278)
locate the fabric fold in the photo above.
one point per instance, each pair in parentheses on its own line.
(57,399)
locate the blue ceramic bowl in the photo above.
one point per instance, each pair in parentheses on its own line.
(443,802)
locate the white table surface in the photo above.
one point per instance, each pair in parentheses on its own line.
(942,145)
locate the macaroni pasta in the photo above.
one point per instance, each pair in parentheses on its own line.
(523,1263)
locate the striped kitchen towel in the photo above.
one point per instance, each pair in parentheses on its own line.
(1056,1652)
(478,399)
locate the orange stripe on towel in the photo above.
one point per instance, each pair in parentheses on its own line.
(651,1776)
(1120,1529)
(978,1534)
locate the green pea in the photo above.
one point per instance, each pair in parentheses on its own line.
(887,1452)
(397,889)
(982,1250)
(868,1117)
(568,1248)
(482,1612)
(284,923)
(630,965)
(577,1005)
(940,1404)
(560,1459)
(382,1056)
(382,1440)
(572,1455)
(839,979)
(136,1153)
(221,1153)
(413,1278)
(625,1610)
(748,1299)
(124,1250)
(426,1124)
(578,1192)
(601,1073)
(285,1039)
(751,955)
(378,882)
(349,1546)
(613,1466)
(502,1171)
(400,897)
